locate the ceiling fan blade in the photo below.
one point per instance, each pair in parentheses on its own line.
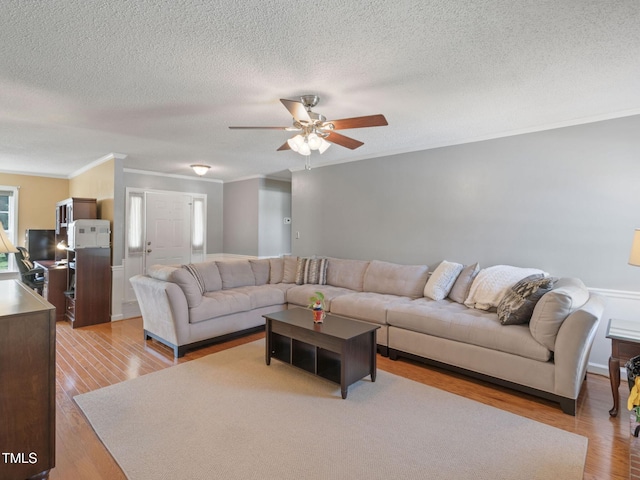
(335,137)
(296,109)
(359,122)
(258,128)
(284,146)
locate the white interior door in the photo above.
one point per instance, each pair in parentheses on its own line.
(168,229)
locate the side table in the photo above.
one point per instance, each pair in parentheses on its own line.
(625,344)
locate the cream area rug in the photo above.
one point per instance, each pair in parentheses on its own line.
(230,416)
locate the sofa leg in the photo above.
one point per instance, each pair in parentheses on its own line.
(146,336)
(178,352)
(393,354)
(568,406)
(383,350)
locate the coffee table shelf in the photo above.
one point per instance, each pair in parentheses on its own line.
(340,350)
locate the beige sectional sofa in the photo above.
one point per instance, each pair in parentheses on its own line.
(188,306)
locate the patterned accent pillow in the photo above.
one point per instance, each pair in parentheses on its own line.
(316,271)
(516,307)
(311,270)
(191,268)
(300,268)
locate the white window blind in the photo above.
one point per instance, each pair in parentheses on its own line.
(197,239)
(135,235)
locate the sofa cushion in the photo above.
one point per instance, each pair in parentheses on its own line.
(260,270)
(368,306)
(462,285)
(290,266)
(218,304)
(346,273)
(453,321)
(263,295)
(194,272)
(276,270)
(210,275)
(395,279)
(300,294)
(567,296)
(516,307)
(182,278)
(236,273)
(492,283)
(442,279)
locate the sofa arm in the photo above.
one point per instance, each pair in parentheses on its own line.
(573,345)
(164,309)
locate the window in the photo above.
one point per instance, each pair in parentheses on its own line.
(199,219)
(9,220)
(135,233)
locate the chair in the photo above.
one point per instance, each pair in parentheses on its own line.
(31,276)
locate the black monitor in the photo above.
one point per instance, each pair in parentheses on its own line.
(41,244)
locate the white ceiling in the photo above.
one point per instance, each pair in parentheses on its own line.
(160,81)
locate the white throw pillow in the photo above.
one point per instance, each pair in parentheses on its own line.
(442,279)
(491,284)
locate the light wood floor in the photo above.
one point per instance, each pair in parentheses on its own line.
(94,357)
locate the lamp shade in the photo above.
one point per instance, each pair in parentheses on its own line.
(200,169)
(634,257)
(5,244)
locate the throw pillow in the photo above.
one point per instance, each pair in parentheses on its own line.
(260,270)
(300,267)
(290,267)
(491,284)
(442,279)
(462,285)
(315,271)
(276,270)
(516,307)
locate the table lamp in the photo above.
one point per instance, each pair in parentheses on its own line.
(5,244)
(634,257)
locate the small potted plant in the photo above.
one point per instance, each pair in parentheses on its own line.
(317,305)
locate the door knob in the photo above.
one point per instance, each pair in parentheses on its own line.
(149,251)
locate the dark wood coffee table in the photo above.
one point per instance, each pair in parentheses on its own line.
(339,349)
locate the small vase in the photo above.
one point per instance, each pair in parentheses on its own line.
(318,316)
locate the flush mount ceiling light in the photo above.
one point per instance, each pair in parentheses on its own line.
(200,169)
(315,132)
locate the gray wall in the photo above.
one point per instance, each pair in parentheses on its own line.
(254,211)
(274,236)
(564,200)
(213,190)
(241,217)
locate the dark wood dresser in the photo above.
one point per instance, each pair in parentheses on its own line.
(27,383)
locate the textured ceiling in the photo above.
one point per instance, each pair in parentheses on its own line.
(160,81)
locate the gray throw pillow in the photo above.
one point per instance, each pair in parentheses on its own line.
(462,285)
(516,307)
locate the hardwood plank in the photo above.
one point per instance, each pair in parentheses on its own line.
(96,356)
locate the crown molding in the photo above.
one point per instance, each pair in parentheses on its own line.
(171,175)
(95,163)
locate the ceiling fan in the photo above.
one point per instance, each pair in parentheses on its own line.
(314,131)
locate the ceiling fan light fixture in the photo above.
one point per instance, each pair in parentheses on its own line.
(304,149)
(323,146)
(200,169)
(314,141)
(296,142)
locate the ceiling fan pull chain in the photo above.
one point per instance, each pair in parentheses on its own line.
(307,162)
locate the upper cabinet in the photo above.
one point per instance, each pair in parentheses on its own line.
(69,210)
